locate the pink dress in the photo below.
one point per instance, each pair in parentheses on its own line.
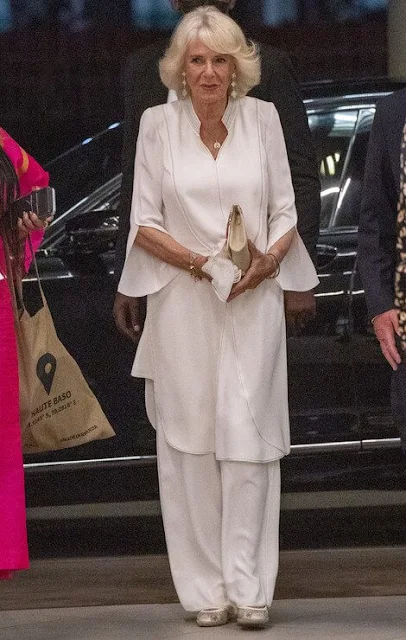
(13,534)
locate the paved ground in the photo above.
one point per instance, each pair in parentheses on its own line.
(339,618)
(344,594)
(129,580)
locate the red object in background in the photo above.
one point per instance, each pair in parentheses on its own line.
(13,534)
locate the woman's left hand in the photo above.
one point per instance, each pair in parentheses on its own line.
(30,222)
(262,266)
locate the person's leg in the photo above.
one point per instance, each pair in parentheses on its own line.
(269,546)
(190,491)
(250,540)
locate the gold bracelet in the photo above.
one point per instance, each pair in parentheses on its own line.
(275,273)
(194,271)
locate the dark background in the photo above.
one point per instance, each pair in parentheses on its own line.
(60,71)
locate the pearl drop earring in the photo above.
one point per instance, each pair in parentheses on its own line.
(233,86)
(184,90)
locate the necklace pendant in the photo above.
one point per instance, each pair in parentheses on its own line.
(217,145)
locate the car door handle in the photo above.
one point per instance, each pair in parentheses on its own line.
(326,254)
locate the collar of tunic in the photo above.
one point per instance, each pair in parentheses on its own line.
(227,119)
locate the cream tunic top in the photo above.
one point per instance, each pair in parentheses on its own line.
(216,378)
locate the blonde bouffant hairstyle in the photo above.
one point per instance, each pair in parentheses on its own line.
(220,34)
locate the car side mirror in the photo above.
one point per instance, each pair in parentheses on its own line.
(92,233)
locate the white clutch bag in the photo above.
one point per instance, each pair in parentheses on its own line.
(237,241)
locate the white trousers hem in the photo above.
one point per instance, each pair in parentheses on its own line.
(221,522)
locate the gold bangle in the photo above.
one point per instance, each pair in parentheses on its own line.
(275,273)
(194,271)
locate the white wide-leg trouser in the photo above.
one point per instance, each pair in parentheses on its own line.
(221,521)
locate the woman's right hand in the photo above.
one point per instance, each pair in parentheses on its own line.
(200,262)
(31,222)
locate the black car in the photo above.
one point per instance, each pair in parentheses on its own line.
(343,436)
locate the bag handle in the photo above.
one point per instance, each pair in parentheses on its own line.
(9,274)
(34,262)
(17,299)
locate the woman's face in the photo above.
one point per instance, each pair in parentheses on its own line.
(208,73)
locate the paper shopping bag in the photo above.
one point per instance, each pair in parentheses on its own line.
(57,408)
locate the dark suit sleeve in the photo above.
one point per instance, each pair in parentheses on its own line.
(280,86)
(377,225)
(130,134)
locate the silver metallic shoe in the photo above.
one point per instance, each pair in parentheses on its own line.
(212,617)
(252,617)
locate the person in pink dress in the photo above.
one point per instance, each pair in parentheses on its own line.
(19,175)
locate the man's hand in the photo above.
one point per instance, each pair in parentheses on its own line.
(300,307)
(127,316)
(386,325)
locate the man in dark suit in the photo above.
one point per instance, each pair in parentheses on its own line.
(377,258)
(143,89)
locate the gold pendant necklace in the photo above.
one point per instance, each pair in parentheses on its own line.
(217,145)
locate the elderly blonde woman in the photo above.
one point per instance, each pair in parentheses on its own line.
(213,349)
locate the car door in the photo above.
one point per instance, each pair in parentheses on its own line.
(372,372)
(321,382)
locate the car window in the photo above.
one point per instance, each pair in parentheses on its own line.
(349,202)
(86,167)
(332,133)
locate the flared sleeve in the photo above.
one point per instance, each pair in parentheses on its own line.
(297,272)
(143,273)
